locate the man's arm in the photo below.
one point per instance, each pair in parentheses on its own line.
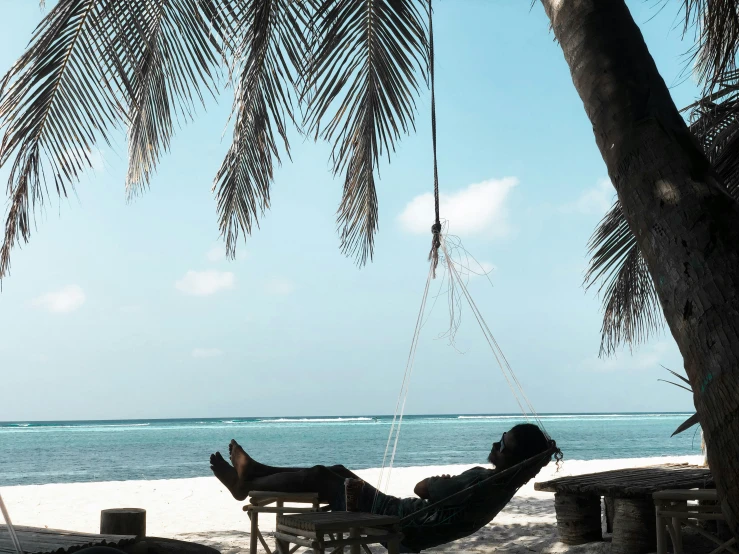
(422,487)
(438,489)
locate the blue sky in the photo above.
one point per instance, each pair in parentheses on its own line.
(130,310)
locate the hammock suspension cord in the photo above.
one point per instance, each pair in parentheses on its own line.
(11,529)
(438,243)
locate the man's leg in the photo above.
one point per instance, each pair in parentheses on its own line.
(257,469)
(247,475)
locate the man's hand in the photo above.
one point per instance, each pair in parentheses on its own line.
(422,487)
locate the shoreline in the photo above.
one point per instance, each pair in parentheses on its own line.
(200,509)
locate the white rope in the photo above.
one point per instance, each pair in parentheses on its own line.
(504,366)
(11,529)
(402,397)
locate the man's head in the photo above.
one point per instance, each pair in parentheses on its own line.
(520,443)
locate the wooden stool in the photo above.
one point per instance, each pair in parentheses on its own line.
(324,531)
(261,501)
(673,511)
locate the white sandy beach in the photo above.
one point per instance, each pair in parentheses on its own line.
(202,510)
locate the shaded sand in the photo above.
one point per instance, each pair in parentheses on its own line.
(202,510)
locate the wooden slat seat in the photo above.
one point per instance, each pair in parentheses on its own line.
(326,522)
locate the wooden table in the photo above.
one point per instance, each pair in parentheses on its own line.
(332,531)
(628,499)
(42,541)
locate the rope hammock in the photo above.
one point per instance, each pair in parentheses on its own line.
(473,503)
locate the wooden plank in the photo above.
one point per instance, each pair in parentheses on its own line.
(709,494)
(49,541)
(286,496)
(630,482)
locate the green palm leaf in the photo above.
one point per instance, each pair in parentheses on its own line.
(630,304)
(92,65)
(716,24)
(55,100)
(180,53)
(631,309)
(360,89)
(271,56)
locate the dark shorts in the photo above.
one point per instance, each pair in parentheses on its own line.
(375,502)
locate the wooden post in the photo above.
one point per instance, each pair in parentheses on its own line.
(661,530)
(123,521)
(393,546)
(354,534)
(578,518)
(608,505)
(634,526)
(254,533)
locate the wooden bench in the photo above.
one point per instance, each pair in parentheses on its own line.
(332,531)
(274,503)
(673,512)
(629,505)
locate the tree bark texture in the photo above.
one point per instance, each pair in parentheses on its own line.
(686,224)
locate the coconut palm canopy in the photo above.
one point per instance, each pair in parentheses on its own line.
(347,71)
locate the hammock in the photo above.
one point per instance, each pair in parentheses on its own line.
(475,506)
(466,511)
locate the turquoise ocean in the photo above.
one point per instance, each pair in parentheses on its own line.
(33,453)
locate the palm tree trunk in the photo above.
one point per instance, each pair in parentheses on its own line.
(686,225)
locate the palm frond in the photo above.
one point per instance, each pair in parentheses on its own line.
(181,48)
(676,374)
(271,56)
(687,424)
(630,304)
(716,127)
(678,385)
(716,24)
(92,65)
(362,80)
(55,101)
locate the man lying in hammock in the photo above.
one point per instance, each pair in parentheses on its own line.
(521,443)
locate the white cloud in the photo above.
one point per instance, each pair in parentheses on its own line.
(66,299)
(94,156)
(207,353)
(594,201)
(479,208)
(204,283)
(280,287)
(649,357)
(216,253)
(481,269)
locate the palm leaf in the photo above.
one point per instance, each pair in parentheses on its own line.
(362,82)
(182,46)
(90,66)
(716,24)
(271,57)
(687,424)
(54,102)
(630,304)
(676,374)
(716,126)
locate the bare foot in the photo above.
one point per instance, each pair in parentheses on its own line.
(226,475)
(242,462)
